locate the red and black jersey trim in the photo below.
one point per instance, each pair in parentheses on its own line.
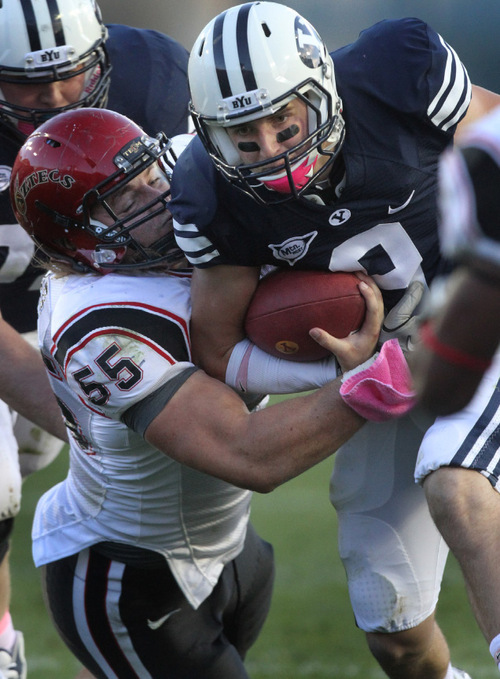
(165,332)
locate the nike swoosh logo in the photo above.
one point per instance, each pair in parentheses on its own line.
(392,210)
(155,624)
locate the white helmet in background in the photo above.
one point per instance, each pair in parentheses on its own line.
(249,62)
(42,41)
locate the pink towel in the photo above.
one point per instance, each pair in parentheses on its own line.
(383,390)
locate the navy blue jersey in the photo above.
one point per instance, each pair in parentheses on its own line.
(149,79)
(149,85)
(403,91)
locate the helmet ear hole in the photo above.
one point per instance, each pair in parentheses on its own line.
(65,244)
(266,29)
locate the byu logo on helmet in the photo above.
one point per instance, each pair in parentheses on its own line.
(309,44)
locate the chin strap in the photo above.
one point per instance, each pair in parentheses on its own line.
(380,389)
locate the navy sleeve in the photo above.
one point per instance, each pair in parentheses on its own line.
(406,65)
(149,79)
(194,192)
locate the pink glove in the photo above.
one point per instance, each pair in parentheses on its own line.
(381,388)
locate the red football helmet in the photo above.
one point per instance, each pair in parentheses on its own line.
(73,163)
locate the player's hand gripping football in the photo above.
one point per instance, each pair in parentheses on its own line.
(359,346)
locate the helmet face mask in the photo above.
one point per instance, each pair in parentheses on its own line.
(70,172)
(248,63)
(290,173)
(40,47)
(118,236)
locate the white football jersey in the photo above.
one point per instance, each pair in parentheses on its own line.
(112,344)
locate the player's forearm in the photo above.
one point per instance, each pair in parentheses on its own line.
(311,429)
(450,361)
(220,297)
(206,426)
(482,102)
(24,383)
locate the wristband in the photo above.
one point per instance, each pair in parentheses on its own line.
(382,389)
(450,354)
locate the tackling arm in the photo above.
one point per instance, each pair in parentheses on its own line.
(259,450)
(461,339)
(263,449)
(24,383)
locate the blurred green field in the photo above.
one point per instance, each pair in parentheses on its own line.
(310,631)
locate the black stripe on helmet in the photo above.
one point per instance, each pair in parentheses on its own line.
(243,52)
(220,62)
(57,25)
(244,49)
(31,25)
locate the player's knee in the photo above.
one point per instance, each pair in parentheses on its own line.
(459,500)
(402,649)
(387,593)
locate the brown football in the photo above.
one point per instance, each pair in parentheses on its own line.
(287,304)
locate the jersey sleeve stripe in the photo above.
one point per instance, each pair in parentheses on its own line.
(479,449)
(201,255)
(197,248)
(166,333)
(453,97)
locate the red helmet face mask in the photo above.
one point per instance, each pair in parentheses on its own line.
(72,165)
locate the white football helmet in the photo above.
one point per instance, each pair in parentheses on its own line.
(249,62)
(42,41)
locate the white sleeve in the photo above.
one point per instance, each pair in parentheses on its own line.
(252,370)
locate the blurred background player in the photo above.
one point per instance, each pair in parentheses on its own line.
(25,388)
(56,56)
(457,362)
(150,567)
(461,335)
(329,162)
